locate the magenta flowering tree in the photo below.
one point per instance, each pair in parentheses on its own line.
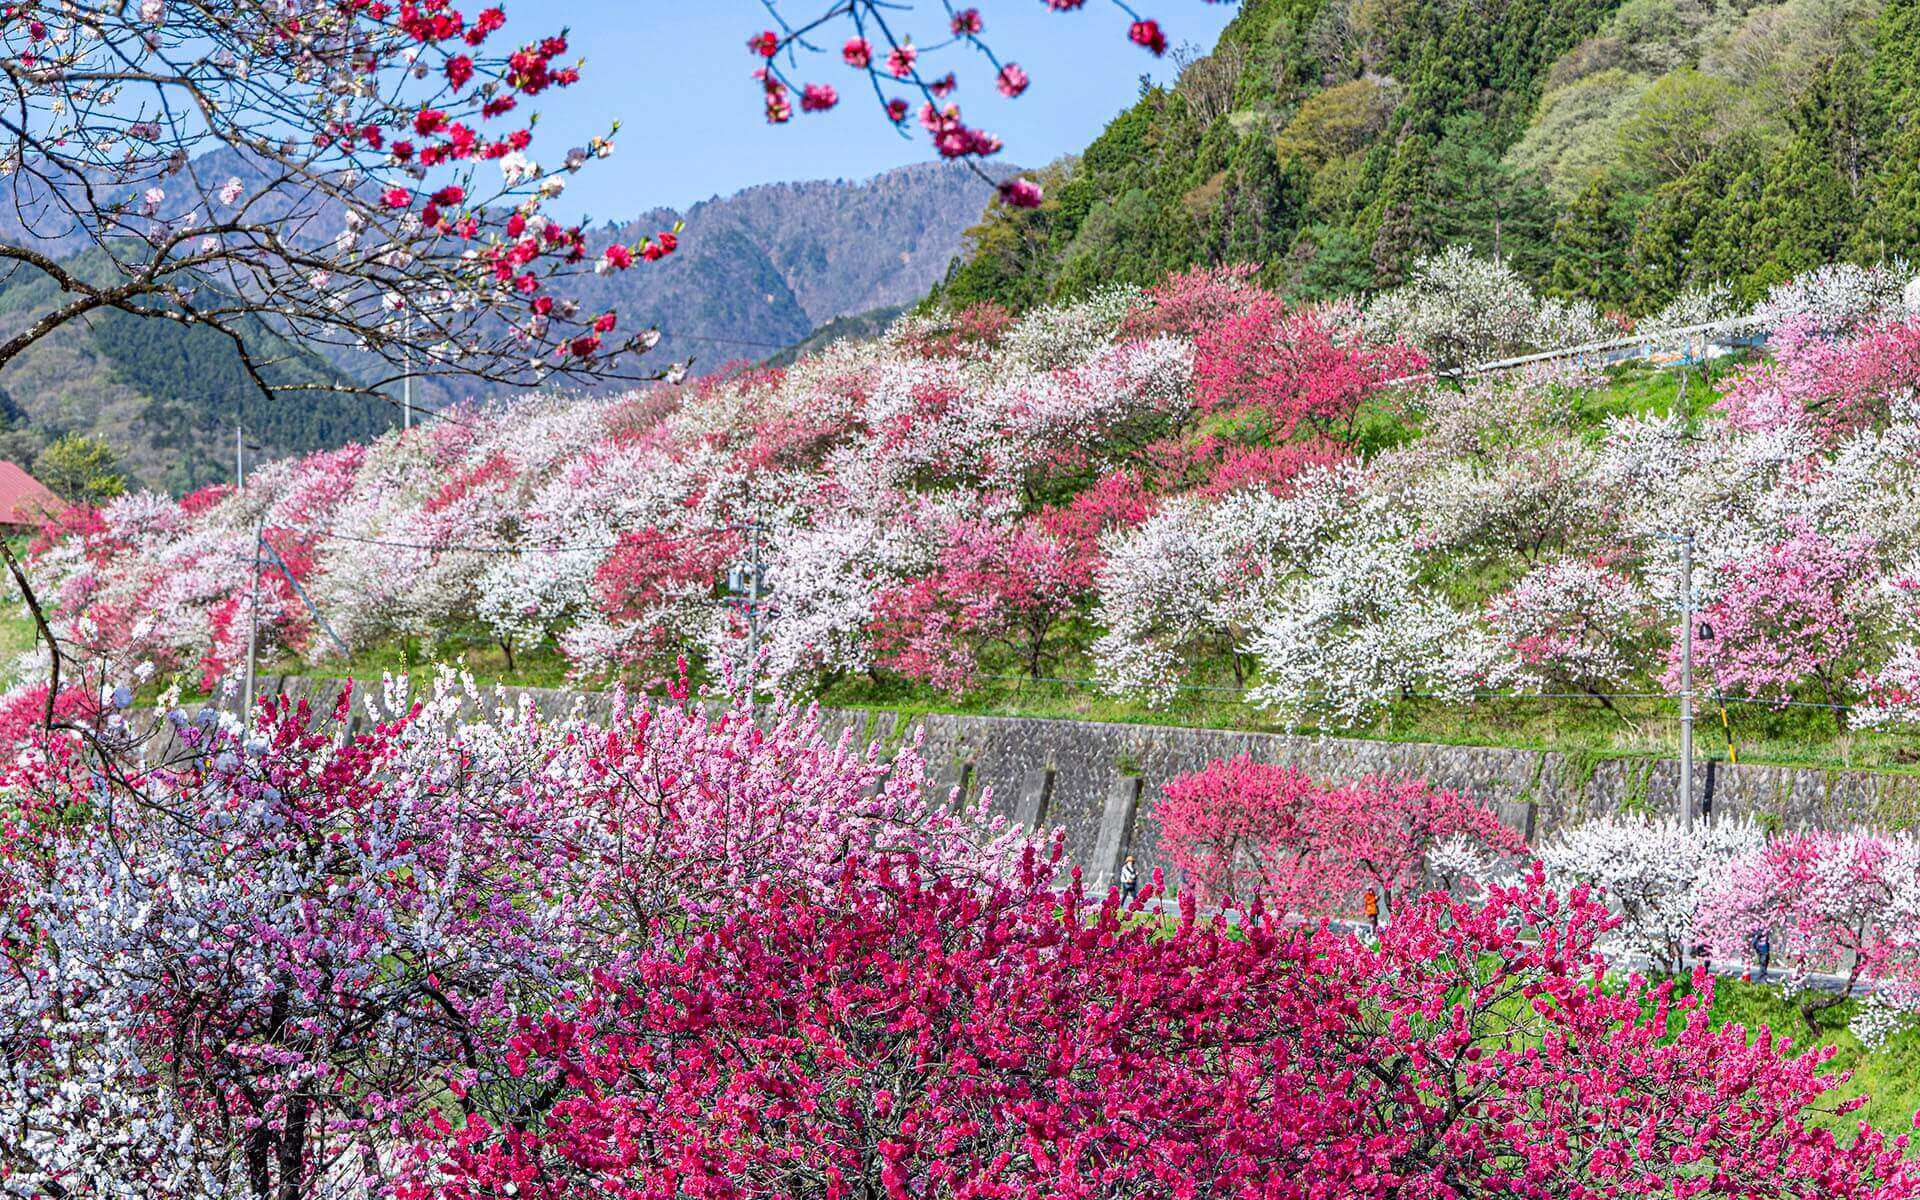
(903,1034)
(1794,613)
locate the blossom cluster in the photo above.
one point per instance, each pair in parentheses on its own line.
(680,952)
(1842,905)
(1154,489)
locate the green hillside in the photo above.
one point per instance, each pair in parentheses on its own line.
(165,397)
(1617,151)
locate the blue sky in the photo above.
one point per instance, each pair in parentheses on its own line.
(677,77)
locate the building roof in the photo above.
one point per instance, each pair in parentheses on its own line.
(24,500)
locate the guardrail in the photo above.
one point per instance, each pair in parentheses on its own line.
(1684,346)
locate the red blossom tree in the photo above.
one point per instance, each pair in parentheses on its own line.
(894,54)
(348,174)
(1245,832)
(912,1036)
(1292,368)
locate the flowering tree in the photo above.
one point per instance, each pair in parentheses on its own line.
(1462,310)
(1292,369)
(880,48)
(1835,386)
(1256,833)
(316,174)
(1352,627)
(1824,898)
(886,1040)
(1569,626)
(1652,872)
(248,971)
(1838,298)
(1793,612)
(993,584)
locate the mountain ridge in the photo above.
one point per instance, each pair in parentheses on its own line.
(757,272)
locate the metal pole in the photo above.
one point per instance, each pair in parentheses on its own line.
(1686,681)
(753,609)
(253,623)
(239,456)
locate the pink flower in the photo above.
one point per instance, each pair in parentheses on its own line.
(395,197)
(900,60)
(1147,33)
(967,22)
(1012,80)
(614,258)
(818,97)
(858,52)
(766,44)
(1021,193)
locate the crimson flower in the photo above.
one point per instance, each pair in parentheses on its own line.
(1147,33)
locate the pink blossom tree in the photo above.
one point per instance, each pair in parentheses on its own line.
(1569,626)
(994,584)
(1793,613)
(1825,899)
(1835,385)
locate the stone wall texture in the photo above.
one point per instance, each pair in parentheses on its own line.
(1099,781)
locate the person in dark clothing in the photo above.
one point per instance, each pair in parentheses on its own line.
(1129,880)
(1762,951)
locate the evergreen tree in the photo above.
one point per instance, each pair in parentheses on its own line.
(1404,221)
(1591,242)
(1260,206)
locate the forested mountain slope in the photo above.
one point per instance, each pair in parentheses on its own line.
(1621,152)
(756,272)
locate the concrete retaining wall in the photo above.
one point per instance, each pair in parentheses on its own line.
(1100,781)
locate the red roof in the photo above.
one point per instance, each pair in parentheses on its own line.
(24,500)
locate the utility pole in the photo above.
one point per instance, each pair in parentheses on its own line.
(749,585)
(253,623)
(1686,680)
(406,377)
(753,610)
(239,455)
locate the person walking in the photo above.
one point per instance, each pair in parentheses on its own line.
(1370,905)
(1129,880)
(1762,951)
